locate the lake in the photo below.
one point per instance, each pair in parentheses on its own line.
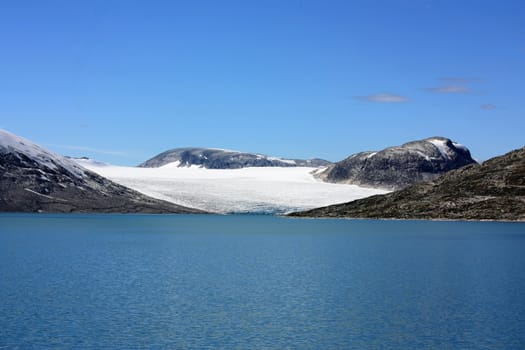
(259,282)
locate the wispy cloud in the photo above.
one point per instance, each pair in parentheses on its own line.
(488,106)
(457,80)
(89,149)
(450,89)
(383,98)
(453,85)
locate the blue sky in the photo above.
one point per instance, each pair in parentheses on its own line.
(121,81)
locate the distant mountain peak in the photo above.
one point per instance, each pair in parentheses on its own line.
(216,158)
(399,166)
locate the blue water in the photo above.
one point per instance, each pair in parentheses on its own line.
(259,282)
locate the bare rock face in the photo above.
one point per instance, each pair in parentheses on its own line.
(494,190)
(400,166)
(33,179)
(212,158)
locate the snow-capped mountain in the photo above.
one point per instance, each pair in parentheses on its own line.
(400,166)
(34,179)
(214,158)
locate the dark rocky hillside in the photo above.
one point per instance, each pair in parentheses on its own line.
(33,179)
(494,190)
(400,166)
(212,158)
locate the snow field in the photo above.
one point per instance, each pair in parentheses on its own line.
(246,190)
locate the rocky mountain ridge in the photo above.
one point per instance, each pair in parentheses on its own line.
(400,166)
(494,190)
(213,158)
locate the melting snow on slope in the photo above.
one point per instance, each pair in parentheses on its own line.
(255,189)
(441,146)
(460,146)
(10,142)
(288,161)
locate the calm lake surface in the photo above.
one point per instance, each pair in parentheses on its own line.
(259,282)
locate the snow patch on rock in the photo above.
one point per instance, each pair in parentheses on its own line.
(442,147)
(10,143)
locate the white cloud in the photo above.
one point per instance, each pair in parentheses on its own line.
(458,80)
(383,98)
(450,89)
(488,106)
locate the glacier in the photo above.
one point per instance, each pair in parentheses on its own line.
(271,190)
